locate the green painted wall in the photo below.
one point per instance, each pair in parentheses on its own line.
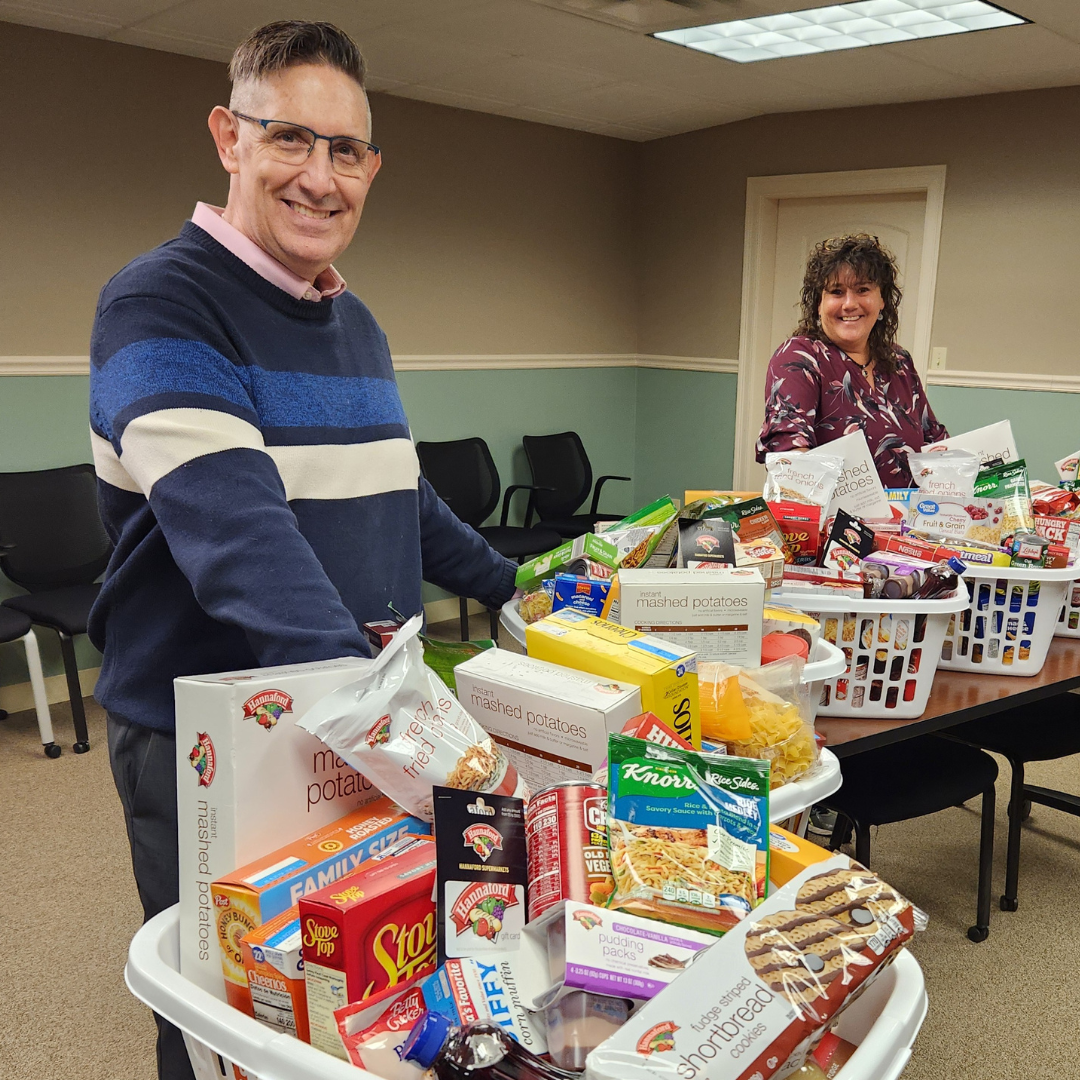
(1046,425)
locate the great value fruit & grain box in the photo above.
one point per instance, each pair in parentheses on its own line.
(264,888)
(551,721)
(666,673)
(247,779)
(367,933)
(715,612)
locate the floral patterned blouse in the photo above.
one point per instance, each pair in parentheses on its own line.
(816,393)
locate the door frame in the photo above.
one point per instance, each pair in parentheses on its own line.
(763,196)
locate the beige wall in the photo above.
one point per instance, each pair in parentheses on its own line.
(1010,245)
(481,234)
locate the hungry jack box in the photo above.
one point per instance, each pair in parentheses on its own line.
(367,933)
(750,1007)
(247,779)
(270,885)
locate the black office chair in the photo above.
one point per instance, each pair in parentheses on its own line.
(1040,731)
(909,780)
(464,476)
(53,544)
(561,470)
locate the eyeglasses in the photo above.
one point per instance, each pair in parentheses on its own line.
(292,144)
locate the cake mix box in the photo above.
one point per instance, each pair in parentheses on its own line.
(248,779)
(264,888)
(368,933)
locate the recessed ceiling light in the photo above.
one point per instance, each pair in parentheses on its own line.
(839,26)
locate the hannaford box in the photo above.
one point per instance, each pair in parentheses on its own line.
(368,933)
(715,612)
(750,1006)
(267,886)
(790,855)
(588,547)
(247,778)
(666,673)
(551,721)
(578,593)
(274,967)
(858,491)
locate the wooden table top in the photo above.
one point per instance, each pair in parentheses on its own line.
(956,697)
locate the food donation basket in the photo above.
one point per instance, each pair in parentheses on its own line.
(883,1021)
(1008,621)
(890,649)
(1069,620)
(828,659)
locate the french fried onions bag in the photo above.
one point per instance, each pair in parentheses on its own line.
(400,726)
(688,833)
(802,478)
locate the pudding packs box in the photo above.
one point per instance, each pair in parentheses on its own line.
(249,780)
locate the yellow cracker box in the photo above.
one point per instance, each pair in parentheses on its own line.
(248,778)
(666,673)
(274,968)
(790,855)
(268,886)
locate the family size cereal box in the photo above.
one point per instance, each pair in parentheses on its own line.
(366,934)
(270,885)
(248,779)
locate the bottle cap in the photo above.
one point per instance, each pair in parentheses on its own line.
(957,564)
(426,1039)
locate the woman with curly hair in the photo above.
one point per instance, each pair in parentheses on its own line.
(842,370)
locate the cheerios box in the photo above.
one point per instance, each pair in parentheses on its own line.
(248,779)
(264,888)
(274,966)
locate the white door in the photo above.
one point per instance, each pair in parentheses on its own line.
(897,219)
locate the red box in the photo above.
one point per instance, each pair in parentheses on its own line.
(367,933)
(380,634)
(801,525)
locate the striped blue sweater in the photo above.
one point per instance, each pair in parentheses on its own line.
(257,476)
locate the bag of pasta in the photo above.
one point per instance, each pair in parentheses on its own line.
(761,713)
(401,727)
(688,832)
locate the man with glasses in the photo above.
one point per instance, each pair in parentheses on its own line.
(256,470)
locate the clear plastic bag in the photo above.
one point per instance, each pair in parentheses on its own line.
(760,712)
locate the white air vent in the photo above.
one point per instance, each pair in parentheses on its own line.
(648,16)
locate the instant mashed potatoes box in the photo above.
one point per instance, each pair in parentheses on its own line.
(666,673)
(247,779)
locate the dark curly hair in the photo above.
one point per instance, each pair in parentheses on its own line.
(868,261)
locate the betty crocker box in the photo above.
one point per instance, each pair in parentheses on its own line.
(750,1006)
(248,779)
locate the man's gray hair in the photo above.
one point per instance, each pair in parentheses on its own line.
(280,45)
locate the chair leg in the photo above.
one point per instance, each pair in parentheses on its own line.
(493,621)
(1009,901)
(862,843)
(78,714)
(981,929)
(463,616)
(41,703)
(841,830)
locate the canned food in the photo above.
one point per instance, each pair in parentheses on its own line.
(890,697)
(841,689)
(909,689)
(566,831)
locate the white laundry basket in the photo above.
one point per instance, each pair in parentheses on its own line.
(884,1021)
(1069,619)
(890,648)
(1009,621)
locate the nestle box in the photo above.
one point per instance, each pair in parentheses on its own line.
(248,780)
(716,612)
(552,721)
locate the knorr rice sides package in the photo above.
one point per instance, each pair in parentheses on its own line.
(689,833)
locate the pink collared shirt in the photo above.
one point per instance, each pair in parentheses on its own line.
(329,283)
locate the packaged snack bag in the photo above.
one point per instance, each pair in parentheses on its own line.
(443,656)
(805,478)
(689,833)
(759,713)
(946,482)
(800,523)
(400,726)
(536,605)
(1002,504)
(638,536)
(1068,469)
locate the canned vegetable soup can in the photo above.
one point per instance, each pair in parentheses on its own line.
(566,831)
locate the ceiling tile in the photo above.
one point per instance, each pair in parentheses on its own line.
(525,81)
(1061,18)
(418,59)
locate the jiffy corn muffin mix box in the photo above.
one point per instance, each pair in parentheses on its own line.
(247,778)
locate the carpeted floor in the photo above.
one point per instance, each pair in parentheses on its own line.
(998,1010)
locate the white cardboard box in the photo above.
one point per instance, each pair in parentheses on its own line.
(551,721)
(716,612)
(994,440)
(859,490)
(248,781)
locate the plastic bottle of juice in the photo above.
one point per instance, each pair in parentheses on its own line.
(477,1051)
